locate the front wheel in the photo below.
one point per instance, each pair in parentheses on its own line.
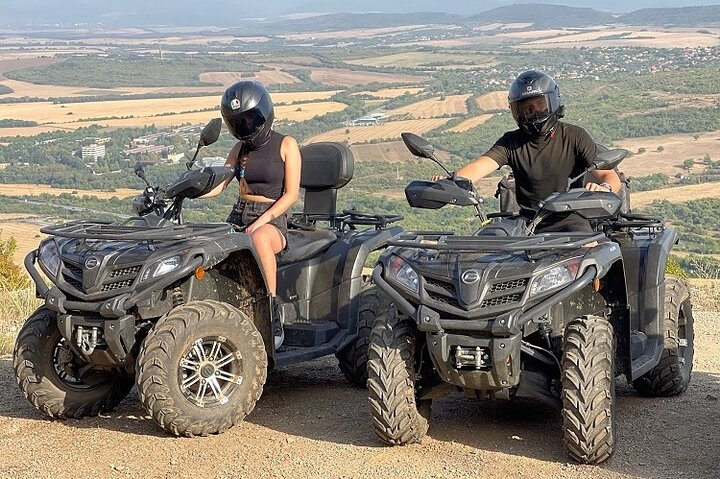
(672,374)
(201,369)
(588,389)
(398,416)
(56,380)
(354,357)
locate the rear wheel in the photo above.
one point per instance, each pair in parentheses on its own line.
(672,374)
(201,369)
(56,380)
(354,357)
(398,417)
(588,389)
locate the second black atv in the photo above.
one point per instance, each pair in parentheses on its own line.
(509,313)
(182,310)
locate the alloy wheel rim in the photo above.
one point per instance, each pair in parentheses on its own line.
(210,372)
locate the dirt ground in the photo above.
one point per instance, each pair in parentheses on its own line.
(311,423)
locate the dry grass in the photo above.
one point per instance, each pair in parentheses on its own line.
(331,76)
(266,77)
(433,107)
(675,149)
(470,123)
(389,130)
(15,308)
(678,194)
(496,100)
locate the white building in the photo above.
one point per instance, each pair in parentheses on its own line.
(93,152)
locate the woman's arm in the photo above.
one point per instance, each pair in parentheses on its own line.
(290,153)
(230,162)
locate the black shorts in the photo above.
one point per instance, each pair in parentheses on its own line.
(245,212)
(571,222)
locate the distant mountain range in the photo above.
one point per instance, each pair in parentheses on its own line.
(263,19)
(540,15)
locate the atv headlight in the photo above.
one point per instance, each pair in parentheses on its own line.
(401,272)
(555,277)
(49,257)
(162,267)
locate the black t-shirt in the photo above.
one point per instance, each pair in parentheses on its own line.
(543,166)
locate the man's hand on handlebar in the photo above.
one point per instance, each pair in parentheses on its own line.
(598,187)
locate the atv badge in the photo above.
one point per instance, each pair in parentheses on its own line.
(470,276)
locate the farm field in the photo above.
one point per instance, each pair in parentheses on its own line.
(158,112)
(496,100)
(345,78)
(266,77)
(433,107)
(389,130)
(27,236)
(630,37)
(388,93)
(470,123)
(24,189)
(676,148)
(390,151)
(417,59)
(677,194)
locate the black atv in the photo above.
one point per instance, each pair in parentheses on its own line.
(182,310)
(508,313)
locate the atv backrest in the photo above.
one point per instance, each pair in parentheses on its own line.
(326,167)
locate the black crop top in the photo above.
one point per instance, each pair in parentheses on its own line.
(265,169)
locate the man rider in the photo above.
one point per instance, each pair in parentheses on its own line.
(543,152)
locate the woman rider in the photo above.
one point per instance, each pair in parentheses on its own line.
(267,167)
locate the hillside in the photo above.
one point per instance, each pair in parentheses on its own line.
(687,16)
(545,16)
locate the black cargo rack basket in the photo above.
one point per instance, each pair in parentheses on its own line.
(449,242)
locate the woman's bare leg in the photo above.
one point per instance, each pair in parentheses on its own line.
(268,242)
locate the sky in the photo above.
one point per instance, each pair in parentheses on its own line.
(222,12)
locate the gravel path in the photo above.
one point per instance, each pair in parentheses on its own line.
(311,423)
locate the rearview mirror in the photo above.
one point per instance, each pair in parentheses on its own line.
(211,132)
(139,171)
(418,146)
(607,160)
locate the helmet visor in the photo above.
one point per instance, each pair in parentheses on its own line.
(248,123)
(531,110)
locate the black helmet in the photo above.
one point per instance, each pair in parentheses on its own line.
(248,112)
(534,99)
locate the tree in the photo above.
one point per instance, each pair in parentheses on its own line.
(12,277)
(688,164)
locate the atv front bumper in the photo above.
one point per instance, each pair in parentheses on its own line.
(489,357)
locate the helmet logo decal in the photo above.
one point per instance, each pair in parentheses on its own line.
(235,104)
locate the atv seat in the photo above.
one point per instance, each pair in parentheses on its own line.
(306,244)
(326,167)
